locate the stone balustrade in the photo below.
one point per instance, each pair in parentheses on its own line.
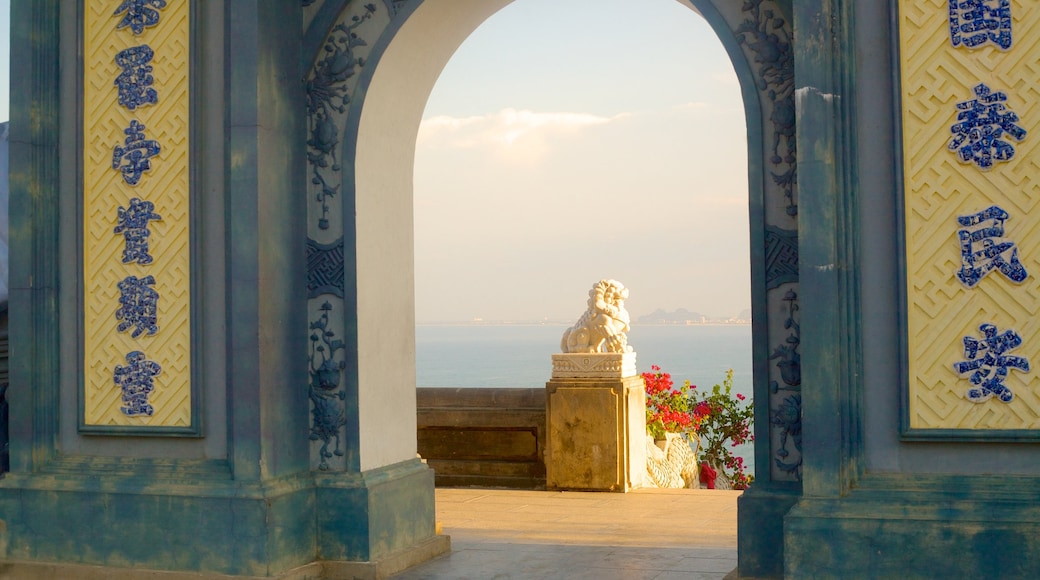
(486,437)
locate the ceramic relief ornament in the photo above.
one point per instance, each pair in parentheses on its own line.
(132,224)
(135,83)
(138,306)
(988,363)
(981,127)
(976,23)
(137,381)
(139,14)
(327,398)
(133,158)
(985,249)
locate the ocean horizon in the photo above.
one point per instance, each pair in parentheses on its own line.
(520,355)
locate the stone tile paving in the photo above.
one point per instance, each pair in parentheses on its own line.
(641,535)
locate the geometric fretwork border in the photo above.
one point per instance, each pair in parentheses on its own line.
(941,311)
(137,323)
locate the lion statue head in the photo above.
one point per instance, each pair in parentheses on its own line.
(603,326)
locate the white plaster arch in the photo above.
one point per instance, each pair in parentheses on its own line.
(386,135)
(378,157)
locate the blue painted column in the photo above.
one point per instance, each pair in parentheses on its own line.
(238,495)
(878,501)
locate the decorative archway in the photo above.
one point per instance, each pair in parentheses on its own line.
(372,67)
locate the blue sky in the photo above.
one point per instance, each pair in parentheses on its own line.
(568,141)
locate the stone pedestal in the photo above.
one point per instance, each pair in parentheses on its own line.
(596,424)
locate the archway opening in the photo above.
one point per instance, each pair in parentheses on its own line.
(381,134)
(543,165)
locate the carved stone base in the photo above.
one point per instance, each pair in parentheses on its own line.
(369,524)
(578,365)
(375,570)
(596,434)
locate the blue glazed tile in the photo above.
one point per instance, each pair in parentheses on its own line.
(137,381)
(132,223)
(981,124)
(138,306)
(139,14)
(984,249)
(974,23)
(781,257)
(988,363)
(136,80)
(765,33)
(327,407)
(786,419)
(327,97)
(133,158)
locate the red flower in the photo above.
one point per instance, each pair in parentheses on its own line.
(703,409)
(717,417)
(708,476)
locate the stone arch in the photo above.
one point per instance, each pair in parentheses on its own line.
(372,71)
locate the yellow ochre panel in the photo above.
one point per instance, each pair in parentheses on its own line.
(938,188)
(105,191)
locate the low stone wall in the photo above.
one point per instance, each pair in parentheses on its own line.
(483,437)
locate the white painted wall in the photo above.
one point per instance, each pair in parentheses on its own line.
(389,124)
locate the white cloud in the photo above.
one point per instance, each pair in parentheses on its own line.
(506,128)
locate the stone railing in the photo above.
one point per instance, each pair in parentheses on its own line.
(484,437)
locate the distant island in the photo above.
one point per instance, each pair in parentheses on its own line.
(680,317)
(683,316)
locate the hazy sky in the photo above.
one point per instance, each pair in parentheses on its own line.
(568,141)
(573,140)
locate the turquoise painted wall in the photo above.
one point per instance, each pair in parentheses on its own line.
(241,498)
(874,504)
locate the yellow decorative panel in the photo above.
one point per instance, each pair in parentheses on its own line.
(116,44)
(939,188)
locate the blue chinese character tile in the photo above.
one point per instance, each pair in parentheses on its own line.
(138,306)
(135,82)
(139,14)
(984,249)
(133,157)
(982,122)
(137,381)
(977,22)
(132,222)
(988,363)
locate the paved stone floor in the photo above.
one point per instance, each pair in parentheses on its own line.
(645,534)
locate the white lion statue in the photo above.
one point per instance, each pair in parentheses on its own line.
(603,326)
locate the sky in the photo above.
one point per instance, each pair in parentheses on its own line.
(570,141)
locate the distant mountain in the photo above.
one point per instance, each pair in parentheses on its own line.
(680,316)
(684,316)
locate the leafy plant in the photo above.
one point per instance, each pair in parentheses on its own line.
(725,422)
(668,410)
(721,419)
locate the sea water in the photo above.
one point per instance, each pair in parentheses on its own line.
(521,356)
